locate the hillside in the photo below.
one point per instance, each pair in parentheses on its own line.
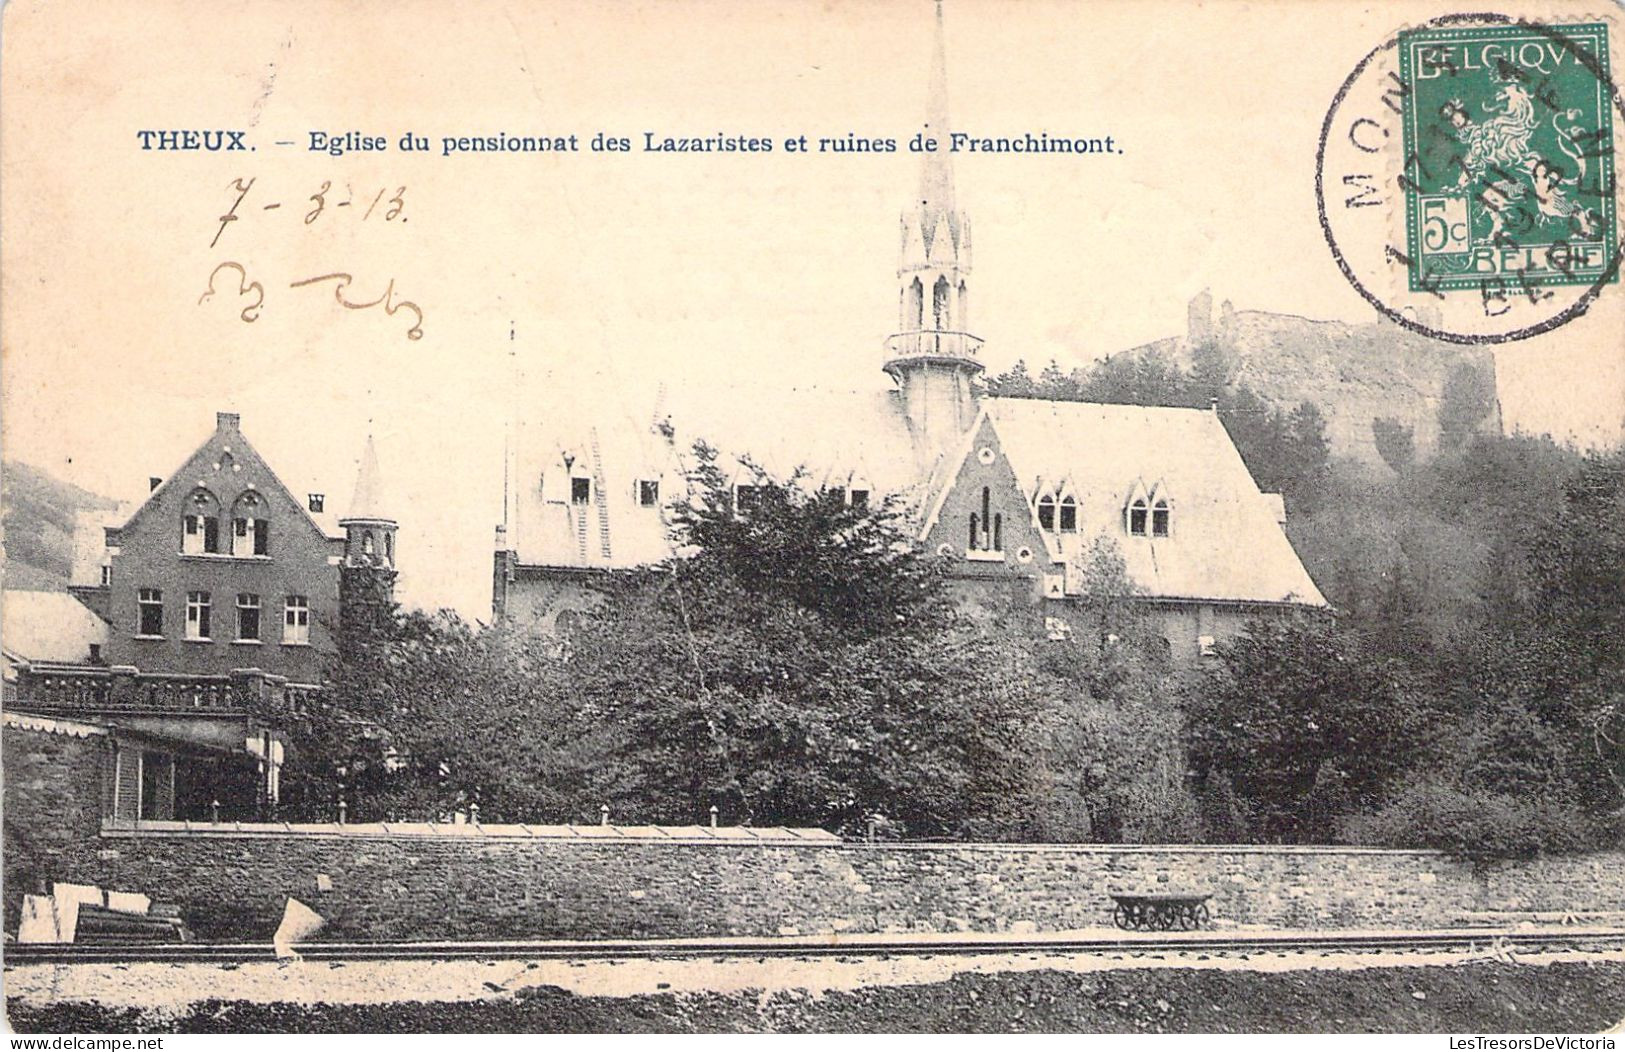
(1353,373)
(37,514)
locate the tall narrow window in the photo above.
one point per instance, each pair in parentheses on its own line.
(987,512)
(296,619)
(197,615)
(1069,515)
(250,537)
(151,612)
(973,537)
(191,535)
(1046,512)
(916,305)
(939,305)
(1136,517)
(998,532)
(648,492)
(248,617)
(1159,518)
(580,490)
(964,307)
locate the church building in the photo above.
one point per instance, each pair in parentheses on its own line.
(1018,493)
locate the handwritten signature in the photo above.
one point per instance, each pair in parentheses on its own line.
(251,312)
(387,299)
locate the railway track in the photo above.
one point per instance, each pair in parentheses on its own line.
(1208,943)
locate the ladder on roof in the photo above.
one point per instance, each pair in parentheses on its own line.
(598,497)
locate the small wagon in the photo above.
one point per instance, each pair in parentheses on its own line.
(1161,912)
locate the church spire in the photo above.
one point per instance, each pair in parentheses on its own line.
(933,357)
(369,528)
(937,172)
(368,499)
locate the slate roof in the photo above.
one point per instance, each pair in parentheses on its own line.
(845,438)
(1227,542)
(1225,539)
(48,626)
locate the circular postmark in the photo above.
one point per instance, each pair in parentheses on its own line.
(1465,176)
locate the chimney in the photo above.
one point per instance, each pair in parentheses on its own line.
(153,482)
(226,421)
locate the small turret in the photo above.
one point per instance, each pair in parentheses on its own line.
(367,576)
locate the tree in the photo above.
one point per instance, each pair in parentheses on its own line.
(1394,443)
(1303,726)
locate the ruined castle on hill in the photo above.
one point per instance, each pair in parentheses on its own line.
(1353,372)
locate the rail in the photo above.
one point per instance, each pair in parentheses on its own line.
(1492,942)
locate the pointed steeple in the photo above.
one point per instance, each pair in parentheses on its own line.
(937,171)
(368,501)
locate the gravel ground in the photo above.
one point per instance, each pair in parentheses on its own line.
(1565,996)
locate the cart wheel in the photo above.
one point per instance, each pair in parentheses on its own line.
(1122,918)
(1201,916)
(1165,917)
(1188,918)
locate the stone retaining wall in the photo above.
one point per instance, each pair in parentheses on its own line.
(467,882)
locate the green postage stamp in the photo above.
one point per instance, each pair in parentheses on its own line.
(1509,157)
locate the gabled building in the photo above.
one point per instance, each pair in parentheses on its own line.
(219,596)
(1017,492)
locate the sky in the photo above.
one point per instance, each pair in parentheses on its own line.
(559,276)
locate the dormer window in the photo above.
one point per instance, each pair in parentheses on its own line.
(1159,517)
(648,493)
(1069,514)
(1046,512)
(1137,514)
(580,490)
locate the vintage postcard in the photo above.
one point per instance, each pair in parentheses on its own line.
(899,516)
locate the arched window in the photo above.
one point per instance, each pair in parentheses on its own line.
(1160,513)
(200,523)
(250,529)
(1046,512)
(987,513)
(998,532)
(973,537)
(916,306)
(389,548)
(964,308)
(1136,517)
(1069,514)
(940,318)
(367,543)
